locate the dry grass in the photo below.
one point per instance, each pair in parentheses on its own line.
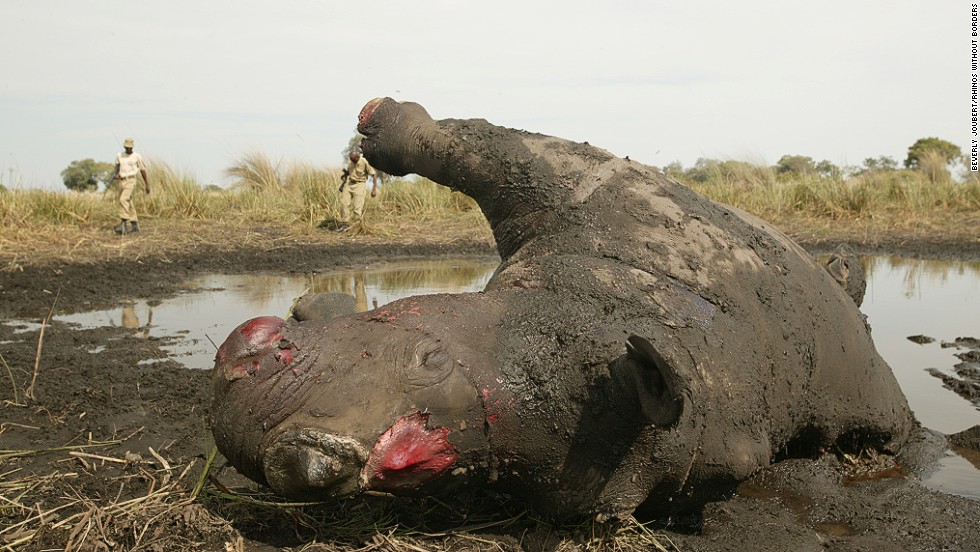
(145,520)
(163,505)
(301,198)
(894,199)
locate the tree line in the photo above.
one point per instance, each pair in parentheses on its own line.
(932,155)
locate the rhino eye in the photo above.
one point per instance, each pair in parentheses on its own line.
(430,364)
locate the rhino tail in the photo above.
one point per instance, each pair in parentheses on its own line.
(662,388)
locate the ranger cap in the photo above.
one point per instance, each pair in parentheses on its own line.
(128,143)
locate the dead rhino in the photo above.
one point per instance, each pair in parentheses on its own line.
(639,345)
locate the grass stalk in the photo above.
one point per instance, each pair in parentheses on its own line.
(29,392)
(13,383)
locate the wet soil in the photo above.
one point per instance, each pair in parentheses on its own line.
(103,442)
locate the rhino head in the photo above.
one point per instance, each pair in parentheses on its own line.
(386,401)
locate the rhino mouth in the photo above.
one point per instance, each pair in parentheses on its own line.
(408,455)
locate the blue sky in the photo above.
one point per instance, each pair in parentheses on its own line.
(200,84)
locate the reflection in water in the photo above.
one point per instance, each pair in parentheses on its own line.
(192,324)
(919,274)
(938,299)
(129,318)
(131,321)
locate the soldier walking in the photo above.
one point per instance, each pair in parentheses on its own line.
(353,189)
(128,164)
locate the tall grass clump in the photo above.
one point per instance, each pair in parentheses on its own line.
(422,199)
(175,194)
(733,182)
(30,208)
(255,171)
(316,189)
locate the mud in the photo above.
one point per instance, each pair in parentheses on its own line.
(966,381)
(136,420)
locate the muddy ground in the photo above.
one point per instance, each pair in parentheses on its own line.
(100,450)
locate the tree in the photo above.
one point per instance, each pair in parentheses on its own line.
(85,175)
(923,146)
(882,163)
(674,170)
(702,170)
(353,144)
(827,169)
(799,165)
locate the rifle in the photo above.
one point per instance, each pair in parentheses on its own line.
(115,174)
(343,180)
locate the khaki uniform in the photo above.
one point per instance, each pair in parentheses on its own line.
(129,165)
(355,189)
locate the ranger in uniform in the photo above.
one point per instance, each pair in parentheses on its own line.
(127,165)
(354,187)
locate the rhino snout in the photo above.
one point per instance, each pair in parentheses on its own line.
(310,463)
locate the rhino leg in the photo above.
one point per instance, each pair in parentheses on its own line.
(320,306)
(518,178)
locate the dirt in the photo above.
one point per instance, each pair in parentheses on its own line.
(103,442)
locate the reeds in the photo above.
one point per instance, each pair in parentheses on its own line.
(84,522)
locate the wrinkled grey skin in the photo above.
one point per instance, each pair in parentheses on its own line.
(639,346)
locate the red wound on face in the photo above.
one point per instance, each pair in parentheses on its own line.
(409,454)
(249,339)
(285,356)
(367,111)
(263,331)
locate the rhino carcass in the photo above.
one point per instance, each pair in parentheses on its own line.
(638,345)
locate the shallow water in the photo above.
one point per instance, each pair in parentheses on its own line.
(905,297)
(941,300)
(204,317)
(938,299)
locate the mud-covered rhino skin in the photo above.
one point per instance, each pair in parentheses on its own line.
(639,345)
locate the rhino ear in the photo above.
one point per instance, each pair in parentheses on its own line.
(660,388)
